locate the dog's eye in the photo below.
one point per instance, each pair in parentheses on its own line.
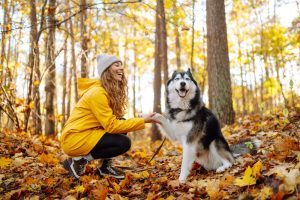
(176,79)
(187,79)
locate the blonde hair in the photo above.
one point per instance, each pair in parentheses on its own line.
(117,92)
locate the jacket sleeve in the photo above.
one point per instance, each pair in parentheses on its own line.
(98,102)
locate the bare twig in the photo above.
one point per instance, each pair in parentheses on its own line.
(11,106)
(158,149)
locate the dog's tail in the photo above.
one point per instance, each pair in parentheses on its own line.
(244,147)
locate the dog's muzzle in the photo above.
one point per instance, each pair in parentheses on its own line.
(182,92)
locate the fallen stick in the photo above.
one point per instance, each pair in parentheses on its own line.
(157,150)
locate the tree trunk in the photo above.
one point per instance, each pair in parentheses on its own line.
(33,93)
(164,45)
(242,76)
(73,68)
(50,79)
(3,39)
(134,74)
(193,38)
(219,82)
(64,82)
(84,41)
(159,52)
(177,39)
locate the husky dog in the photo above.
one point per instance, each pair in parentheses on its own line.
(195,127)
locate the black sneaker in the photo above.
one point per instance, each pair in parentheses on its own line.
(75,167)
(107,169)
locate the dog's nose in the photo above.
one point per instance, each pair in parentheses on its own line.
(182,84)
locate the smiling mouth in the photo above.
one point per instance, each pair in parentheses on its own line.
(182,92)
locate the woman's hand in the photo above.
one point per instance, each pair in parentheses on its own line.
(149,118)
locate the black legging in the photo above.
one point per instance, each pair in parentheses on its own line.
(111,145)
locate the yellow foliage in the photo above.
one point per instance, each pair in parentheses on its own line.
(79,188)
(247,179)
(48,159)
(5,162)
(257,168)
(250,175)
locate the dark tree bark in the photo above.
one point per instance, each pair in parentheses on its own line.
(219,82)
(50,79)
(160,61)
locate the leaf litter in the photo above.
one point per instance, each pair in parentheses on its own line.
(30,168)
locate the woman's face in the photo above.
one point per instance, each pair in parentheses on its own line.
(117,71)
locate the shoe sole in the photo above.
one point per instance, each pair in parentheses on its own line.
(103,174)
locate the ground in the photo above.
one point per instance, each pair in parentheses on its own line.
(30,167)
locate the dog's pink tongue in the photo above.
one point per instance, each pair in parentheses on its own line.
(182,93)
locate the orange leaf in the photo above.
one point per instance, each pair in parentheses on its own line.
(48,159)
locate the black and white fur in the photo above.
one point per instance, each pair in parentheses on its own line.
(194,126)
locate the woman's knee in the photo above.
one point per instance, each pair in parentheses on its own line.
(126,142)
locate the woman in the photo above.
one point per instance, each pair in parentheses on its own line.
(95,128)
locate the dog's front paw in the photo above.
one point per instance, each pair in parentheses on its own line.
(159,117)
(223,168)
(182,178)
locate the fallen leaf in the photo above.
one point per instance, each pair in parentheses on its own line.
(247,179)
(79,188)
(5,162)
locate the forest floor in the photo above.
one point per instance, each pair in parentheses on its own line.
(30,168)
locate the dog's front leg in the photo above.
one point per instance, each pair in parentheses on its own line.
(188,158)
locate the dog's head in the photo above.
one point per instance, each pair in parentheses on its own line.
(182,84)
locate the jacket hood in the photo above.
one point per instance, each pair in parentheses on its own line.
(84,84)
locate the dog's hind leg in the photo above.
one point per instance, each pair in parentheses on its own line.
(188,158)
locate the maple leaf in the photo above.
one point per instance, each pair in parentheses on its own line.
(79,188)
(257,168)
(247,179)
(5,162)
(48,159)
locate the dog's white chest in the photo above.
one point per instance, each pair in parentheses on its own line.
(181,128)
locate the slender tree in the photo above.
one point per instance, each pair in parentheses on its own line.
(219,82)
(34,71)
(158,66)
(84,39)
(50,64)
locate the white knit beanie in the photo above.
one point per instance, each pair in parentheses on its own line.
(104,61)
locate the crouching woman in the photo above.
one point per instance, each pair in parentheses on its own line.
(95,128)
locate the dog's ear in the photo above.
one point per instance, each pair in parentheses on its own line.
(174,74)
(189,72)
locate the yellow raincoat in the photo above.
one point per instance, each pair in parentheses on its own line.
(91,118)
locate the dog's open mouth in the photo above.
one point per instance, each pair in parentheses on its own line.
(182,92)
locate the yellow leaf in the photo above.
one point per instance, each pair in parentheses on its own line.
(170,197)
(257,168)
(116,187)
(31,105)
(5,162)
(246,180)
(265,193)
(141,175)
(80,188)
(48,159)
(36,83)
